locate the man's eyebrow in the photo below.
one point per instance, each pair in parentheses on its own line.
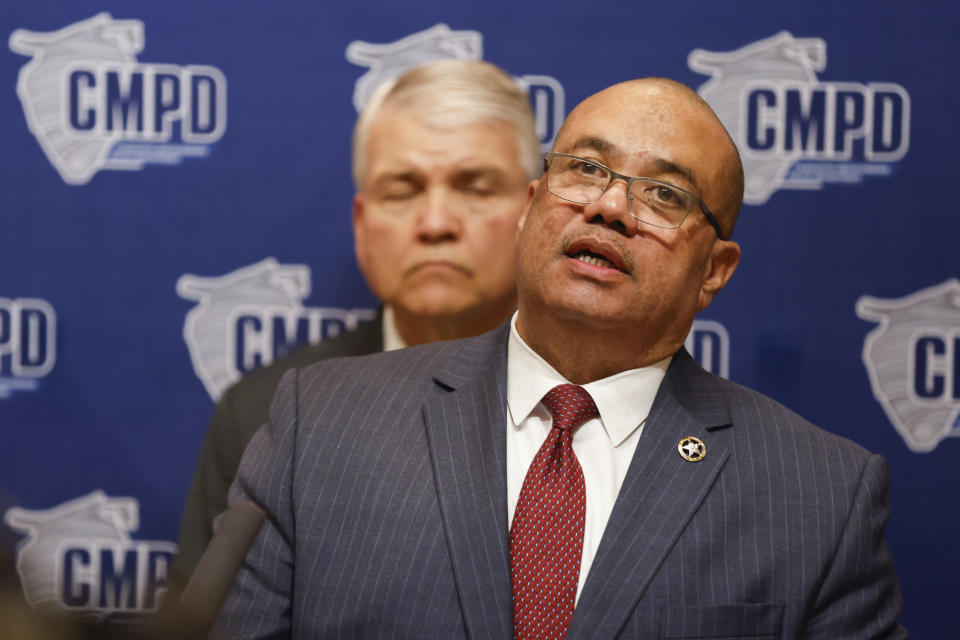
(479,170)
(390,176)
(662,165)
(597,144)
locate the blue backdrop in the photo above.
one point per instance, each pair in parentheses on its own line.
(174,210)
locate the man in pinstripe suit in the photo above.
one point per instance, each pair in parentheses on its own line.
(711,511)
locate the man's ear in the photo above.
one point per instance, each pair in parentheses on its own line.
(359,229)
(531,191)
(724,257)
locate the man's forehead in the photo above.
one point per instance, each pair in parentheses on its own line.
(635,112)
(646,160)
(647,126)
(403,137)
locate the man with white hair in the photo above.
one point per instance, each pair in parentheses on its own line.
(442,157)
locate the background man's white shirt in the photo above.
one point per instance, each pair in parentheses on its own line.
(391,336)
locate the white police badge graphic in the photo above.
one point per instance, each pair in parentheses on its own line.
(248,317)
(78,556)
(795,131)
(28,343)
(389,60)
(91,104)
(913,360)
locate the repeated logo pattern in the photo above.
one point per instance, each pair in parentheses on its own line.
(28,343)
(546,539)
(388,60)
(913,360)
(247,318)
(79,556)
(794,130)
(92,105)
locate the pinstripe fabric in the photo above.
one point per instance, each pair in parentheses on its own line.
(236,417)
(384,480)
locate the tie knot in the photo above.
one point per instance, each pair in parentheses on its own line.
(570,406)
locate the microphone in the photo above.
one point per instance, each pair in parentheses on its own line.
(210,583)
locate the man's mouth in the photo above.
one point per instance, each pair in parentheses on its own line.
(596,253)
(593,258)
(437,265)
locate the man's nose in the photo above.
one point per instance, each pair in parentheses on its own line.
(613,207)
(441,216)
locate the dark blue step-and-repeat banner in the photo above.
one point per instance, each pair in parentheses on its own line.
(175,211)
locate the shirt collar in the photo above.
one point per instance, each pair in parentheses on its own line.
(391,336)
(623,399)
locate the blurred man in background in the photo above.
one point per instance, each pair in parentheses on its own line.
(442,157)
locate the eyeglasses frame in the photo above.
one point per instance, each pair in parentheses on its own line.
(712,219)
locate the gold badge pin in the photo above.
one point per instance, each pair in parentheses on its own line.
(692,449)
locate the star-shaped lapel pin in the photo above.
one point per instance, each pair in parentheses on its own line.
(692,449)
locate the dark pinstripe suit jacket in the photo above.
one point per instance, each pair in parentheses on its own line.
(236,417)
(385,483)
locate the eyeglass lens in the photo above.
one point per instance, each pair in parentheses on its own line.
(584,182)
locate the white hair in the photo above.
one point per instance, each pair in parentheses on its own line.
(453,93)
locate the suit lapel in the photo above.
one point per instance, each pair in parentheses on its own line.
(659,496)
(465,421)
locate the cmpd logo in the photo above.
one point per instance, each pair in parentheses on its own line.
(78,556)
(248,317)
(389,60)
(709,344)
(795,131)
(92,105)
(913,360)
(28,343)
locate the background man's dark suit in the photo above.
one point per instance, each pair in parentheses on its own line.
(384,480)
(237,416)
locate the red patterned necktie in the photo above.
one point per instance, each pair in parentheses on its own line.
(546,538)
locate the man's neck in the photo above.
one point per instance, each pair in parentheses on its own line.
(414,329)
(584,353)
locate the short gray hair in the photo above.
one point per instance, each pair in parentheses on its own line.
(449,94)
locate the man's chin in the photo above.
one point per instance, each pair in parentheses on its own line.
(598,312)
(437,302)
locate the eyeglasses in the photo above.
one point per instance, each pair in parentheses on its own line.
(652,202)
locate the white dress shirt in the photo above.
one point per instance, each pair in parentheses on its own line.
(604,446)
(391,336)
